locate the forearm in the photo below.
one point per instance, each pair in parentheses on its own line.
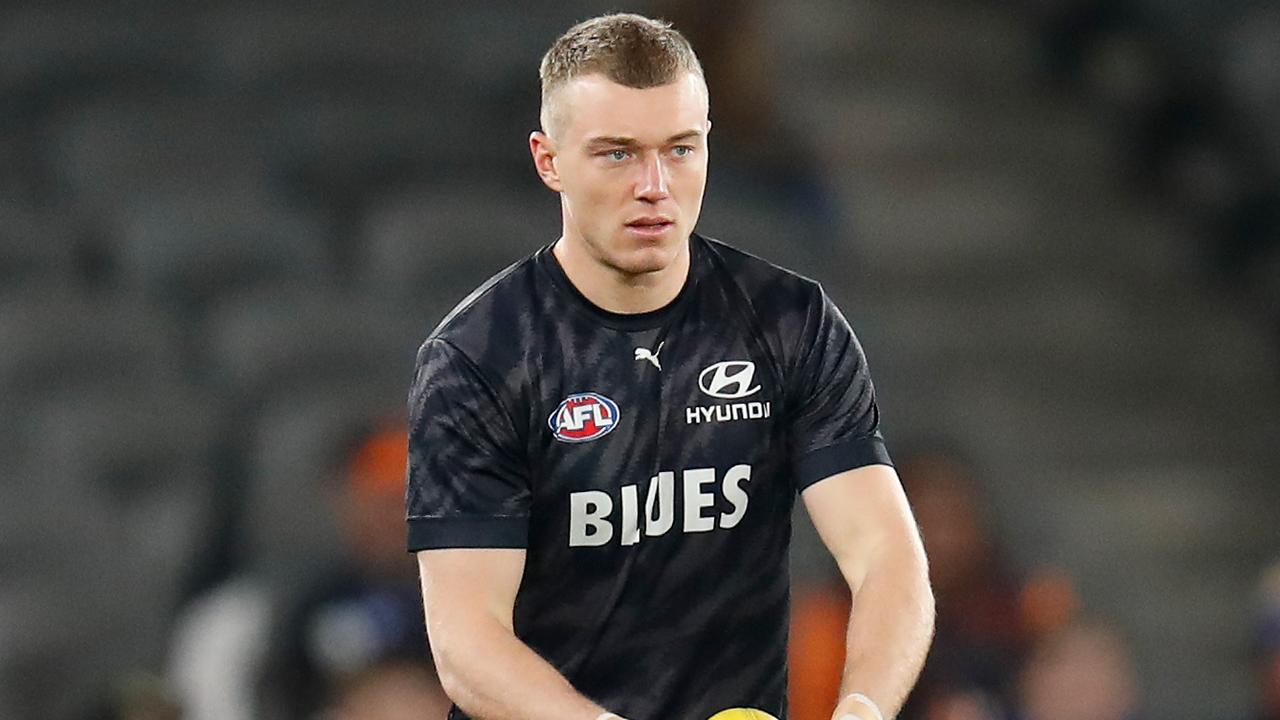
(492,675)
(890,628)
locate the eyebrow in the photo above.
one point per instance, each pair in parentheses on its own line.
(627,142)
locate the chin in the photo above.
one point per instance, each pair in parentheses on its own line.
(640,264)
(650,259)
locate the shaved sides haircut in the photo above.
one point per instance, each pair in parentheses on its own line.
(628,49)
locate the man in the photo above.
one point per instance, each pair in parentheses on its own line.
(607,438)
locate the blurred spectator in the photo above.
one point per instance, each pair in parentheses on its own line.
(815,652)
(1199,111)
(368,609)
(1083,672)
(1266,646)
(979,637)
(357,632)
(390,691)
(1048,602)
(218,645)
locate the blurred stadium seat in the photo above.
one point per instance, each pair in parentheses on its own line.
(35,249)
(115,151)
(61,341)
(140,457)
(191,247)
(101,528)
(54,55)
(296,457)
(430,246)
(268,343)
(300,49)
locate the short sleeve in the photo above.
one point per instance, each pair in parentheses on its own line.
(467,483)
(834,421)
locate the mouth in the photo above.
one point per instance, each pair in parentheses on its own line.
(650,226)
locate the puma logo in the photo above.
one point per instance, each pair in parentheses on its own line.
(644,354)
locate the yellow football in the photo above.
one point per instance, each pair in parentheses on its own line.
(742,714)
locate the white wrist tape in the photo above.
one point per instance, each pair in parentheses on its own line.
(608,716)
(863,699)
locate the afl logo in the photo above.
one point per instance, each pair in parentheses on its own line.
(583,417)
(730,379)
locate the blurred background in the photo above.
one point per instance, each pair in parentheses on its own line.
(226,226)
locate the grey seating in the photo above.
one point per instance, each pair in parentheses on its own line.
(100,527)
(432,246)
(136,456)
(115,151)
(346,145)
(14,180)
(360,98)
(61,341)
(527,33)
(296,455)
(764,226)
(331,45)
(269,343)
(49,54)
(274,47)
(50,640)
(350,96)
(349,144)
(36,248)
(1252,73)
(192,246)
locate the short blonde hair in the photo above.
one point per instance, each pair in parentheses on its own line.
(629,49)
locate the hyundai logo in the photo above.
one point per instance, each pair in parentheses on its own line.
(729,380)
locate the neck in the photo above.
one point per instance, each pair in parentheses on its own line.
(618,291)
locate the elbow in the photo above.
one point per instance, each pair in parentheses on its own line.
(461,672)
(452,682)
(458,689)
(452,678)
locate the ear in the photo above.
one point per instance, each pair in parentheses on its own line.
(544,159)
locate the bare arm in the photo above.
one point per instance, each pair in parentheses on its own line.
(863,518)
(468,596)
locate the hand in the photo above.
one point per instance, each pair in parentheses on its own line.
(852,708)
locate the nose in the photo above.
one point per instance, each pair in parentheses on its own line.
(652,185)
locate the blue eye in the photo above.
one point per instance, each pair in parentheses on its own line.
(618,155)
(682,150)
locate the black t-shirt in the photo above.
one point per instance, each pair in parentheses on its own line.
(648,464)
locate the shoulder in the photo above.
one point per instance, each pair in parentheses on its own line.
(488,321)
(491,301)
(774,294)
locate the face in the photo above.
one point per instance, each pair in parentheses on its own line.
(945,507)
(630,166)
(368,519)
(1085,674)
